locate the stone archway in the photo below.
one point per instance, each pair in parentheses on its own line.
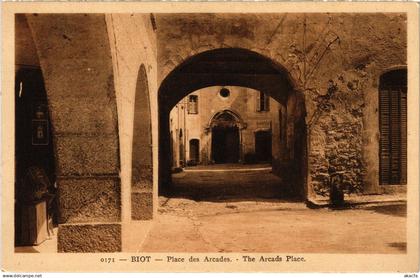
(244,68)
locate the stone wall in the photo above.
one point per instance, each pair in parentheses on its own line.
(336,130)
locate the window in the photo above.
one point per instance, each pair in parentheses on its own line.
(224,93)
(393,127)
(193,104)
(263,145)
(263,102)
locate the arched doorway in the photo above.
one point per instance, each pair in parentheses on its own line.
(234,67)
(225,145)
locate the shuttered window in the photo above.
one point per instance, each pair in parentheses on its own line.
(393,127)
(263,102)
(193,104)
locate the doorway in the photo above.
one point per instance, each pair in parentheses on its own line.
(263,145)
(194,151)
(225,144)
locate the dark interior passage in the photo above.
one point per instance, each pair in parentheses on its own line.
(225,144)
(34,159)
(34,146)
(263,145)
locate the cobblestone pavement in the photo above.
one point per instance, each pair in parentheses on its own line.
(247,211)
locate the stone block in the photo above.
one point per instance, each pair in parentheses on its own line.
(142,177)
(89,238)
(77,45)
(81,116)
(89,200)
(141,205)
(80,155)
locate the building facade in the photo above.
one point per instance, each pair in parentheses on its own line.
(222,125)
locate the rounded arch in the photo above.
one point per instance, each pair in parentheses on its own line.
(226,67)
(394,76)
(394,68)
(229,67)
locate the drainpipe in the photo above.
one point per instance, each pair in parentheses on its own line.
(185,132)
(177,138)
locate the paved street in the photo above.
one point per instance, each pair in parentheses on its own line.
(234,211)
(237,210)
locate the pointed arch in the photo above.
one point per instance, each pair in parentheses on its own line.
(142,156)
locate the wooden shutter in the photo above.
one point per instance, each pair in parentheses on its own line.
(384,120)
(259,95)
(393,139)
(263,102)
(403,115)
(193,105)
(267,102)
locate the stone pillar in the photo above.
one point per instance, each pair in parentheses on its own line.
(75,58)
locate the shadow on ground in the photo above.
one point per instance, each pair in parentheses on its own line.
(401,246)
(26,249)
(390,209)
(233,186)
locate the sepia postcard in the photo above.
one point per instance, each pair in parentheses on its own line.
(210,137)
